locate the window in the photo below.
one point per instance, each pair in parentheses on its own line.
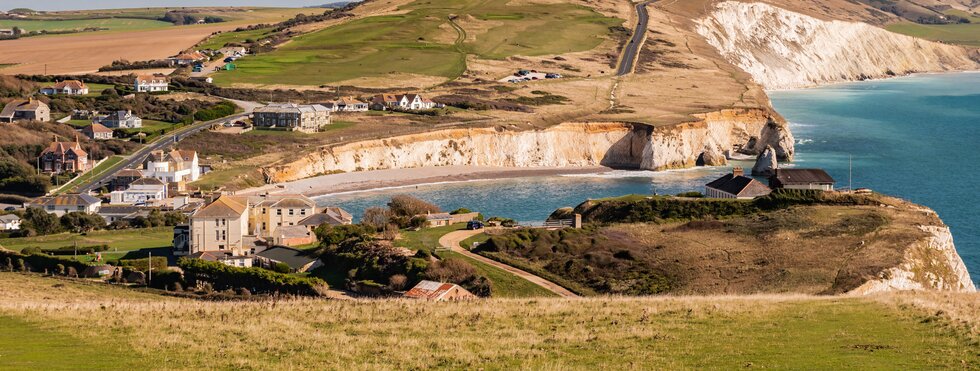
(302,211)
(278,211)
(223,221)
(263,211)
(290,212)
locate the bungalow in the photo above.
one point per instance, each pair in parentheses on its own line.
(438,291)
(67,87)
(152,83)
(122,120)
(62,204)
(115,213)
(297,260)
(736,185)
(9,222)
(140,191)
(331,215)
(383,102)
(25,110)
(433,220)
(233,51)
(349,104)
(97,131)
(816,179)
(187,58)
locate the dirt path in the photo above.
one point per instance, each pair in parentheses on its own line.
(452,239)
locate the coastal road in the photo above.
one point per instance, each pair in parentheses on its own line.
(451,241)
(636,41)
(161,143)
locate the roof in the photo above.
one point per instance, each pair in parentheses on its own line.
(431,290)
(385,98)
(295,259)
(291,108)
(135,173)
(338,213)
(61,148)
(215,256)
(195,56)
(330,215)
(67,200)
(154,78)
(72,84)
(348,101)
(21,105)
(120,116)
(291,231)
(224,206)
(437,216)
(740,186)
(148,181)
(9,218)
(282,201)
(96,128)
(119,209)
(803,176)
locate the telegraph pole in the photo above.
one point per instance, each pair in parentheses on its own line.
(149,268)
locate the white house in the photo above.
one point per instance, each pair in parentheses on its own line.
(172,167)
(63,204)
(152,83)
(67,87)
(140,191)
(349,104)
(233,51)
(122,119)
(9,222)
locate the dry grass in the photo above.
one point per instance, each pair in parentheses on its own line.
(671,332)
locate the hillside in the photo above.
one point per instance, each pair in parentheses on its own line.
(787,242)
(124,329)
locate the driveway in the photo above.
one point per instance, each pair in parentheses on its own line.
(452,240)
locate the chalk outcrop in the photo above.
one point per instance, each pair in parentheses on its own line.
(766,163)
(620,145)
(933,264)
(783,49)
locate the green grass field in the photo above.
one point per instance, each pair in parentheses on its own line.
(121,240)
(426,238)
(104,166)
(113,24)
(505,284)
(219,40)
(61,324)
(406,43)
(962,34)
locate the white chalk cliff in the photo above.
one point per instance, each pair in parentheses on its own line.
(624,145)
(933,264)
(783,49)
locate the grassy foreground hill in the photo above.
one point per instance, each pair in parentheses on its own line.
(62,324)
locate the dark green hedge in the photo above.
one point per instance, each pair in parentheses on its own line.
(42,262)
(256,280)
(215,112)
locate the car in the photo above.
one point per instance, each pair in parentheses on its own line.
(229,60)
(473,225)
(9,208)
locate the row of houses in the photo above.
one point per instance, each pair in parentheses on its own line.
(738,186)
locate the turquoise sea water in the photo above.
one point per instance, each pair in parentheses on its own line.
(915,137)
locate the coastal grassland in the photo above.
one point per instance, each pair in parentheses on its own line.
(117,240)
(505,284)
(111,24)
(963,34)
(421,41)
(131,328)
(220,40)
(426,238)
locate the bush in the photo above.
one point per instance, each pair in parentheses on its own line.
(409,206)
(142,265)
(41,262)
(256,280)
(215,112)
(281,267)
(693,194)
(31,250)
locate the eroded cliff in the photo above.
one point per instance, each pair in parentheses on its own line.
(620,145)
(782,49)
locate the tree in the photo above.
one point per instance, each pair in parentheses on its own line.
(172,218)
(329,235)
(281,267)
(409,206)
(376,217)
(81,222)
(41,222)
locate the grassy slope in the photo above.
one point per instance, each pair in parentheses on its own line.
(963,34)
(404,43)
(219,41)
(671,333)
(122,240)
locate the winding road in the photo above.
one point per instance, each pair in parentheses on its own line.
(452,241)
(631,49)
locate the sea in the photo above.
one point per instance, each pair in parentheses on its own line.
(915,137)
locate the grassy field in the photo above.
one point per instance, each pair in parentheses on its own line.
(505,284)
(963,34)
(104,166)
(219,41)
(426,238)
(112,24)
(110,327)
(422,41)
(122,240)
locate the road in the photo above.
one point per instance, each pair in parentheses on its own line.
(636,41)
(161,143)
(452,239)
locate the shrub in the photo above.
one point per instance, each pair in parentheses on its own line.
(41,262)
(256,280)
(409,206)
(281,267)
(215,112)
(31,250)
(692,194)
(142,265)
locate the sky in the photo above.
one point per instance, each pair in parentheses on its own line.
(51,5)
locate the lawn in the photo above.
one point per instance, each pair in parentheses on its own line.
(963,34)
(426,238)
(417,42)
(113,24)
(53,324)
(103,167)
(505,284)
(118,240)
(95,90)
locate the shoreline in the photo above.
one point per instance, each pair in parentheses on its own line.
(365,181)
(835,83)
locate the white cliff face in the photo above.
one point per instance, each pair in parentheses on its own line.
(782,49)
(571,144)
(933,264)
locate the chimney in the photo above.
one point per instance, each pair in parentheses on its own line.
(738,171)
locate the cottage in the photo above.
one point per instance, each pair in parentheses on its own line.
(412,102)
(438,291)
(330,215)
(67,87)
(383,102)
(9,222)
(97,131)
(122,120)
(62,204)
(64,157)
(25,110)
(736,185)
(433,220)
(305,118)
(298,261)
(816,179)
(140,191)
(349,104)
(152,83)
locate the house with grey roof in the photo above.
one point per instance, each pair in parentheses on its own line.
(9,222)
(736,185)
(66,203)
(121,120)
(298,261)
(815,179)
(307,118)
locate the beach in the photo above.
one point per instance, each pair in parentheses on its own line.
(398,178)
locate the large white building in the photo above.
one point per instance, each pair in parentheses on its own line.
(151,83)
(140,191)
(307,118)
(175,166)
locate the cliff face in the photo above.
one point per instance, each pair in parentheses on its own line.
(932,264)
(782,49)
(571,144)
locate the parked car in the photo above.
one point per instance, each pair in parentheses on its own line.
(9,208)
(474,225)
(229,60)
(552,76)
